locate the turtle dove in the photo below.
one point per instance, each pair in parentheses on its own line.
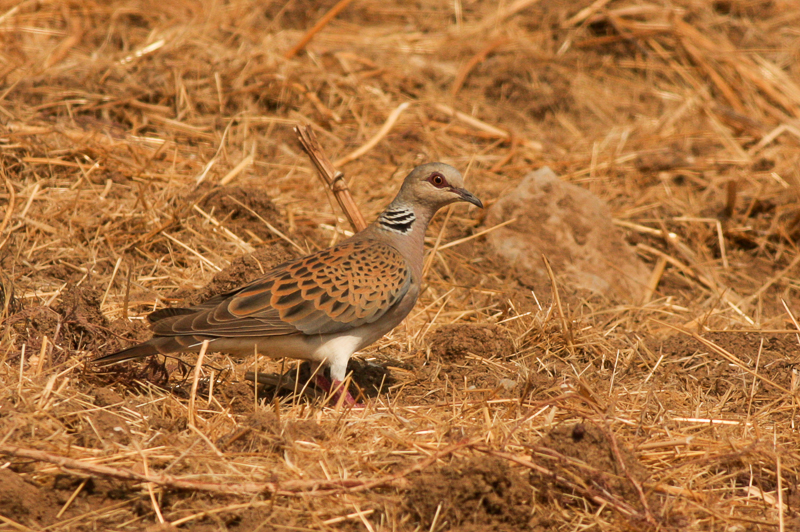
(326,306)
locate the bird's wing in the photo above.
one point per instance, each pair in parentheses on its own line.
(334,290)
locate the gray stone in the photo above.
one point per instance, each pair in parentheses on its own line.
(572,227)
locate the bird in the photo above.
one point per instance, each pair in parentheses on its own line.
(327,305)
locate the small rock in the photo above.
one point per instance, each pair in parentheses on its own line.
(572,227)
(507,384)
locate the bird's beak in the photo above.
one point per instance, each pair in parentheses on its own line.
(468,196)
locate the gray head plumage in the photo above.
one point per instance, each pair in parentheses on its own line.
(432,186)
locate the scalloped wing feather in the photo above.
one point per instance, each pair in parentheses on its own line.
(331,291)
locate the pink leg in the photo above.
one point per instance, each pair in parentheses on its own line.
(326,385)
(322,382)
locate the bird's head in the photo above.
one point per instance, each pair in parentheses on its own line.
(434,185)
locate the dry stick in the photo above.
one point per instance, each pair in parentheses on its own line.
(230,176)
(753,389)
(503,14)
(332,178)
(9,210)
(6,297)
(505,160)
(15,525)
(21,369)
(11,200)
(111,281)
(564,325)
(435,249)
(791,316)
(476,235)
(255,378)
(326,18)
(730,198)
(177,216)
(269,226)
(636,484)
(778,474)
(151,491)
(97,511)
(317,488)
(655,279)
(42,353)
(316,102)
(794,374)
(126,299)
(483,126)
(371,143)
(257,504)
(726,294)
(199,515)
(476,59)
(197,369)
(584,13)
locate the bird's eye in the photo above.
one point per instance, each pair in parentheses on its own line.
(436,179)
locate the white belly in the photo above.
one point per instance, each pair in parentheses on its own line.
(330,349)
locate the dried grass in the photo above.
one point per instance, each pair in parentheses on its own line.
(119,121)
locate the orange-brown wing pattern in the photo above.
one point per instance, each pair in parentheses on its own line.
(331,291)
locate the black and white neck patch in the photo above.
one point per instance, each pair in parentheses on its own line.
(398,219)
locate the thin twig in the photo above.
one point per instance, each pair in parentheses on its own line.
(474,61)
(476,235)
(12,197)
(612,441)
(326,18)
(332,178)
(371,143)
(195,381)
(236,170)
(566,330)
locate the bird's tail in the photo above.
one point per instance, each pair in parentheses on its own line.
(132,353)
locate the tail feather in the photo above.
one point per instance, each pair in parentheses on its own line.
(163,313)
(132,353)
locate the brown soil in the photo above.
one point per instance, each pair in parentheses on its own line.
(593,458)
(263,433)
(476,494)
(22,499)
(453,343)
(776,356)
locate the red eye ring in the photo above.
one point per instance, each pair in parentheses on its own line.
(436,179)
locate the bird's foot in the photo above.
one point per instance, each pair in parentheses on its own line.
(337,388)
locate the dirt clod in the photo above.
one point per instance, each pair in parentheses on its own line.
(587,452)
(102,428)
(106,397)
(479,492)
(454,342)
(21,500)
